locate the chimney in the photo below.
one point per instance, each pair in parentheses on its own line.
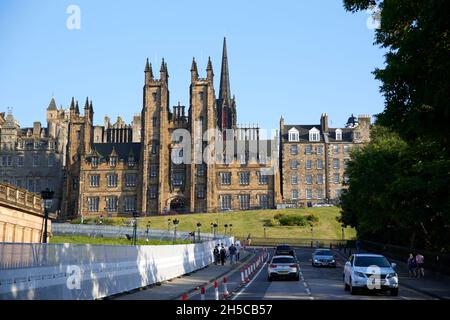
(36,128)
(324,122)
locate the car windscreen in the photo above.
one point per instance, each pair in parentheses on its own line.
(283,248)
(380,262)
(283,260)
(323,253)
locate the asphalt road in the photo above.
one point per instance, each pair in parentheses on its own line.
(314,284)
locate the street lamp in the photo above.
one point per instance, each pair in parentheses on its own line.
(168,224)
(265,227)
(226,228)
(231,228)
(215,225)
(198,230)
(148,229)
(342,228)
(175,224)
(47,195)
(135,216)
(212,227)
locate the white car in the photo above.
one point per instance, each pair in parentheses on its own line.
(370,271)
(282,267)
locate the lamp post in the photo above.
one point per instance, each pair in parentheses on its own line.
(231,228)
(168,224)
(47,195)
(212,227)
(135,216)
(265,227)
(175,224)
(342,228)
(198,231)
(215,225)
(226,228)
(148,229)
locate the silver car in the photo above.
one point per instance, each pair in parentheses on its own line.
(283,267)
(323,258)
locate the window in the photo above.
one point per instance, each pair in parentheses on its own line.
(20,161)
(338,134)
(225,202)
(111,204)
(152,192)
(112,180)
(94,181)
(155,96)
(335,149)
(154,147)
(346,161)
(19,183)
(129,204)
(308,149)
(200,170)
(294,180)
(93,204)
(155,121)
(308,194)
(319,149)
(294,194)
(3,163)
(78,135)
(319,193)
(35,160)
(319,179)
(200,191)
(308,164)
(314,135)
(293,135)
(38,187)
(244,201)
(94,162)
(319,164)
(294,150)
(51,145)
(75,183)
(346,149)
(37,144)
(336,164)
(309,179)
(153,171)
(263,201)
(294,164)
(51,160)
(113,161)
(336,178)
(262,178)
(130,180)
(225,178)
(200,96)
(244,178)
(131,161)
(177,178)
(31,185)
(346,178)
(21,144)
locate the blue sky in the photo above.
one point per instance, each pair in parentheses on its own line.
(294,58)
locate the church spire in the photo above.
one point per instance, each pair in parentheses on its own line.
(225,91)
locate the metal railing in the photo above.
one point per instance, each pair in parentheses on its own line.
(299,242)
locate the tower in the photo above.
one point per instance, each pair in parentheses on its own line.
(226,105)
(52,118)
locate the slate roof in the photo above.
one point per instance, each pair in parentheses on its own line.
(304,133)
(123,150)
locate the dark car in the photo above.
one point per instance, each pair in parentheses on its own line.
(323,258)
(284,250)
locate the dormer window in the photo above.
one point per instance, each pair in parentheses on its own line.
(314,135)
(113,161)
(293,135)
(338,135)
(94,161)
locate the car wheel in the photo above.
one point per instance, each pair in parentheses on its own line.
(394,292)
(353,290)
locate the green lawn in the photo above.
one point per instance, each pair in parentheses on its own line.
(245,222)
(111,241)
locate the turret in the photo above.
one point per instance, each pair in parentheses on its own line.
(148,72)
(194,70)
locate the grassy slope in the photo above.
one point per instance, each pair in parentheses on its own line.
(245,222)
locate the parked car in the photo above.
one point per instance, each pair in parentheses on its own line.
(284,249)
(283,267)
(370,271)
(323,258)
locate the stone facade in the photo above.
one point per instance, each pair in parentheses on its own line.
(34,158)
(21,215)
(313,159)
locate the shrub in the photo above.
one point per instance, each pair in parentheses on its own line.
(293,221)
(312,218)
(279,215)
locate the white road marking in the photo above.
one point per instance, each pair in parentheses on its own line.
(251,281)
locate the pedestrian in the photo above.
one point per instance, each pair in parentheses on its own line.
(249,239)
(412,265)
(232,251)
(238,251)
(216,254)
(223,255)
(420,265)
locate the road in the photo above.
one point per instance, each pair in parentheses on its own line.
(314,284)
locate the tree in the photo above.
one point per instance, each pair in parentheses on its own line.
(415,80)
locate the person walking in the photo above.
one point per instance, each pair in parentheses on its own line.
(216,254)
(223,255)
(232,251)
(249,239)
(412,265)
(238,250)
(420,260)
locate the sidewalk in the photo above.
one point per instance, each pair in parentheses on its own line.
(436,286)
(173,289)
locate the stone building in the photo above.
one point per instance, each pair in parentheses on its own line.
(157,164)
(33,158)
(313,159)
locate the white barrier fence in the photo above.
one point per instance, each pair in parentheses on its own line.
(86,272)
